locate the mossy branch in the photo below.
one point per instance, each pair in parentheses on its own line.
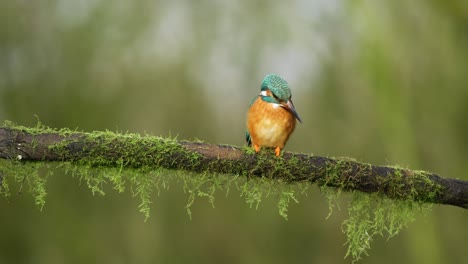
(108,149)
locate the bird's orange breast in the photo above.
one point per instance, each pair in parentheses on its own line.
(269,124)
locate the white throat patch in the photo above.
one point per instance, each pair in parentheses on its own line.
(276,105)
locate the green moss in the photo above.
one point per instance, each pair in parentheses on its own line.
(286,194)
(333,197)
(371,215)
(376,213)
(141,162)
(201,185)
(254,190)
(343,172)
(144,184)
(38,129)
(407,185)
(30,177)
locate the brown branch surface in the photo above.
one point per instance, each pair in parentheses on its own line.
(134,151)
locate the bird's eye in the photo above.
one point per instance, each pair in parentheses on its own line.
(276,97)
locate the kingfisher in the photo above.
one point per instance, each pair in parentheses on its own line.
(271,118)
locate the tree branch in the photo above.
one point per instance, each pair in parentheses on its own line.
(147,153)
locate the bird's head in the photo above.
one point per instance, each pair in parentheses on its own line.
(276,90)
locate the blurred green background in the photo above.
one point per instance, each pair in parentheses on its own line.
(384,82)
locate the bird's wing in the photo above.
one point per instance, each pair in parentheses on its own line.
(253,100)
(248,139)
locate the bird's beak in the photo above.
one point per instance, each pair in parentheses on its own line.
(290,106)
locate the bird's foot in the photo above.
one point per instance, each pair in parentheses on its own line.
(257,148)
(277,151)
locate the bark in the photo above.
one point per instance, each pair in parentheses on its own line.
(109,149)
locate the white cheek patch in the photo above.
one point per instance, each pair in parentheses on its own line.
(275,105)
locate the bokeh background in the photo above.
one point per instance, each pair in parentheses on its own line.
(385,82)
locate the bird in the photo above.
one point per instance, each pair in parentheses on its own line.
(271,117)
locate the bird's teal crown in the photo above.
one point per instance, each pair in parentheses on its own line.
(277,85)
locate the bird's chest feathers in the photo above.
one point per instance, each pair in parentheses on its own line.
(270,123)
